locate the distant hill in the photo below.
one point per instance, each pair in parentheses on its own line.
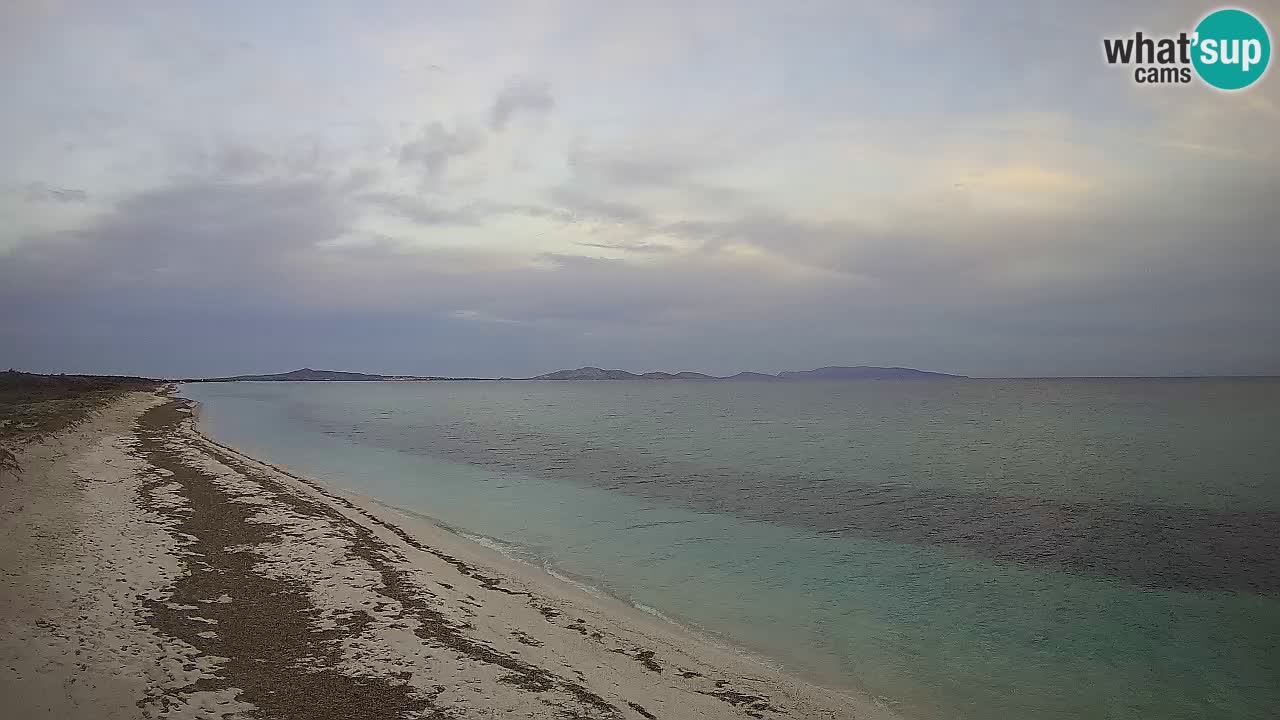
(685,375)
(588,373)
(862,372)
(595,373)
(309,375)
(752,376)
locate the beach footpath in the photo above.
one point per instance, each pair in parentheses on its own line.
(148,572)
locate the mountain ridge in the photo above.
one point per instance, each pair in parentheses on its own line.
(310,375)
(592,373)
(831,372)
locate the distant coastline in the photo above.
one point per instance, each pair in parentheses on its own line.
(309,375)
(589,373)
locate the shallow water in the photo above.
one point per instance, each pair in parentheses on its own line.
(966,549)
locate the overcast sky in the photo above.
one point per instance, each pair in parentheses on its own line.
(491,188)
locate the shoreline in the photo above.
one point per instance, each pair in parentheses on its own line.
(546,579)
(489,550)
(239,589)
(485,550)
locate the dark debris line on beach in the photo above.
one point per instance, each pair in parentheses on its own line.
(644,657)
(279,661)
(264,634)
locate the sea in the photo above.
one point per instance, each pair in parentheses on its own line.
(968,549)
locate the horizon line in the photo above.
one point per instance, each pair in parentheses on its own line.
(411,377)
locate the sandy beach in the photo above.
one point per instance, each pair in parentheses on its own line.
(151,572)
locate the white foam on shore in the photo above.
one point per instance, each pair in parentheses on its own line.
(493,544)
(653,611)
(527,556)
(585,587)
(711,638)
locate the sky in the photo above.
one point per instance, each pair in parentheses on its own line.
(483,188)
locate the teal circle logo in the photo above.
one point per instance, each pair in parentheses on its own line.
(1232,49)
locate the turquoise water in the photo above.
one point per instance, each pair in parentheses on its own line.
(979,549)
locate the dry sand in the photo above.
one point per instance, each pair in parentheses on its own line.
(146,571)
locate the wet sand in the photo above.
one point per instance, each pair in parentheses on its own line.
(147,571)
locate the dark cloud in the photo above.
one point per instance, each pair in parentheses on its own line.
(520,96)
(1177,280)
(233,160)
(436,147)
(284,233)
(211,234)
(240,160)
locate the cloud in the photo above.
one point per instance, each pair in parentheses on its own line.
(631,246)
(424,212)
(1134,278)
(39,192)
(671,157)
(632,166)
(744,196)
(480,316)
(209,234)
(436,147)
(520,96)
(583,206)
(240,160)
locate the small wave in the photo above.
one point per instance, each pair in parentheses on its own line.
(581,585)
(655,612)
(528,556)
(506,549)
